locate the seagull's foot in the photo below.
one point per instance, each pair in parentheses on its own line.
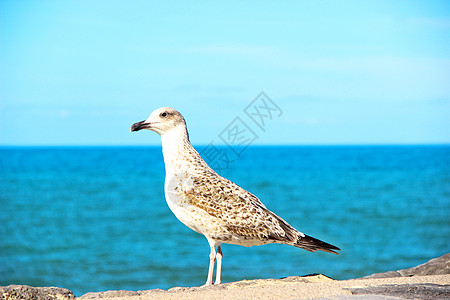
(211,284)
(207,284)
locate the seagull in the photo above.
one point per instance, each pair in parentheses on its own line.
(212,205)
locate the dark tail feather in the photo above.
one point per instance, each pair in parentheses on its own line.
(312,244)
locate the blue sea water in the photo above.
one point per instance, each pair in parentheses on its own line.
(94,219)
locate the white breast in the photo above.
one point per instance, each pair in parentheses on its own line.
(176,186)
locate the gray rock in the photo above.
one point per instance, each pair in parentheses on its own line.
(408,291)
(435,266)
(25,292)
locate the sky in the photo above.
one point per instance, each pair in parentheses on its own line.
(339,72)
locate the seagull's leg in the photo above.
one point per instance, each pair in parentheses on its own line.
(219,256)
(212,260)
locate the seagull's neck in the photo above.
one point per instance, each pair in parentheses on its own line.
(179,155)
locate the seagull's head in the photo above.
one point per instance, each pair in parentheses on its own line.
(161,120)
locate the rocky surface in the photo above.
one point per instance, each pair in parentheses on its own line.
(18,292)
(225,289)
(427,281)
(309,287)
(407,291)
(435,266)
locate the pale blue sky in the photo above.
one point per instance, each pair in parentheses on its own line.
(343,72)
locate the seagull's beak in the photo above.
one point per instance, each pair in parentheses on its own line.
(140,125)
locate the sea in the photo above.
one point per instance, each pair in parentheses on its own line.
(95,218)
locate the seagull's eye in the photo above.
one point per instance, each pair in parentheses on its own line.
(164,114)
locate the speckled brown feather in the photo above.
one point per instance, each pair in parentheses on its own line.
(243,215)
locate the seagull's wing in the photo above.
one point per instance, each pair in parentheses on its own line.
(244,215)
